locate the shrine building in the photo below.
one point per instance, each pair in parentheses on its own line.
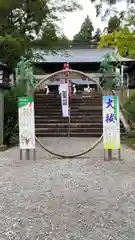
(84,59)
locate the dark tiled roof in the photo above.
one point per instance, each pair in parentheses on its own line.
(76,55)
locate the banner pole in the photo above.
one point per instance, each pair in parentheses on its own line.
(21,154)
(119,154)
(27,154)
(109,154)
(69,119)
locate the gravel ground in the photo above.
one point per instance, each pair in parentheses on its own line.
(61,199)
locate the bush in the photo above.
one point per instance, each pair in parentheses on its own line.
(129,106)
(11,114)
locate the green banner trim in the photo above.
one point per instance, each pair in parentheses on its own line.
(24,101)
(115,107)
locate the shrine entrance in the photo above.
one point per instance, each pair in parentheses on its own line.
(67,73)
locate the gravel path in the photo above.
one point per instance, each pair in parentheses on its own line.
(61,199)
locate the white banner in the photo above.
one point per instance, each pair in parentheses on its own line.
(111,122)
(26,122)
(64,99)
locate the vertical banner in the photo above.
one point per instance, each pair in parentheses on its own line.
(111,122)
(64,99)
(26,122)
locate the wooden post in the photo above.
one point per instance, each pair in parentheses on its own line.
(27,154)
(34,154)
(105,155)
(21,154)
(109,154)
(119,154)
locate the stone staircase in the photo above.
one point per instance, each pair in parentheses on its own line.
(86,116)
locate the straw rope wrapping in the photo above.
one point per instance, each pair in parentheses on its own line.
(79,153)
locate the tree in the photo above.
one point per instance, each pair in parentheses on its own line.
(11,48)
(110,4)
(113,24)
(123,38)
(24,24)
(85,33)
(97,35)
(129,106)
(108,66)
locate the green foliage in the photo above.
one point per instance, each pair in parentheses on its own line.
(85,33)
(11,113)
(108,61)
(129,138)
(108,41)
(111,83)
(110,4)
(28,24)
(124,40)
(25,25)
(113,24)
(129,106)
(25,85)
(29,16)
(108,66)
(121,35)
(11,48)
(97,35)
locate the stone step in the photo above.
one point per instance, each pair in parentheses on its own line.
(56,104)
(81,109)
(60,117)
(79,124)
(56,100)
(66,120)
(73,97)
(73,108)
(72,130)
(42,94)
(89,129)
(65,134)
(73,100)
(76,99)
(66,125)
(72,124)
(72,111)
(59,124)
(85,121)
(59,114)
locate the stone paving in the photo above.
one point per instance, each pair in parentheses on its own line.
(67,199)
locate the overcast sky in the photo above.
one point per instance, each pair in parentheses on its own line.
(72,22)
